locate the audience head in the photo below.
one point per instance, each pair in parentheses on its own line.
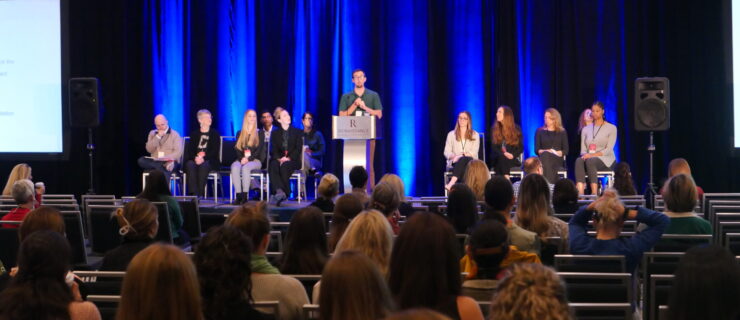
(156,186)
(679,193)
(552,118)
(352,287)
(678,165)
(418,314)
(345,209)
(499,193)
(370,233)
(138,220)
(328,187)
(39,290)
(530,291)
(358,177)
(533,208)
(266,118)
(564,193)
(533,165)
(424,270)
(488,246)
(23,192)
(160,283)
(395,181)
(476,177)
(385,199)
(464,120)
(42,218)
(305,248)
(462,208)
(609,211)
(223,262)
(20,171)
(623,179)
(706,285)
(253,221)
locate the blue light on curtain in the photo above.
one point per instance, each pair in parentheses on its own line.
(169,59)
(236,63)
(609,64)
(466,61)
(299,82)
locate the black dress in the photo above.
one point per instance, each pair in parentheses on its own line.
(551,163)
(501,164)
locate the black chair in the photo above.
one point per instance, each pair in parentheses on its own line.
(590,263)
(76,237)
(681,242)
(103,228)
(656,263)
(191,217)
(164,233)
(601,311)
(585,287)
(660,288)
(104,290)
(9,247)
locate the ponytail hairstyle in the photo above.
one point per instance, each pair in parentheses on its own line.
(385,199)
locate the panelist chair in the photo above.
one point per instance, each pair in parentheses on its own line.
(300,176)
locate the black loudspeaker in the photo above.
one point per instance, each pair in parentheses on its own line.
(652,104)
(84,104)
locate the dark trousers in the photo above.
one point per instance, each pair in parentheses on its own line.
(590,167)
(460,167)
(151,164)
(197,176)
(502,165)
(280,175)
(551,164)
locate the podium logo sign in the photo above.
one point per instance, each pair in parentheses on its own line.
(353,124)
(353,127)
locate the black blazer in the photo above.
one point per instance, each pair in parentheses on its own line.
(295,144)
(212,150)
(259,151)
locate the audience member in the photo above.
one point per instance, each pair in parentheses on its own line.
(164,145)
(358,180)
(43,218)
(534,213)
(462,208)
(202,155)
(530,291)
(223,264)
(608,216)
(313,154)
(354,288)
(404,208)
(565,196)
(139,225)
(532,165)
(680,165)
(24,197)
(476,177)
(488,245)
(679,195)
(267,282)
(157,190)
(500,200)
(385,199)
(251,154)
(623,180)
(43,287)
(305,244)
(424,271)
(21,171)
(706,286)
(346,208)
(160,283)
(328,189)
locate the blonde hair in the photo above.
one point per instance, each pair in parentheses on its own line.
(19,172)
(556,119)
(476,178)
(370,233)
(137,219)
(606,212)
(395,181)
(530,291)
(276,113)
(248,136)
(678,165)
(469,127)
(160,283)
(329,186)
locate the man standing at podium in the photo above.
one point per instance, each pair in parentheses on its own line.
(362,101)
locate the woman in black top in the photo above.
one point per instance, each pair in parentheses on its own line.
(507,142)
(285,144)
(202,153)
(551,143)
(314,141)
(139,225)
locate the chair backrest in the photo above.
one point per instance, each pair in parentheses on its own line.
(656,263)
(590,263)
(717,196)
(727,227)
(226,152)
(164,233)
(611,287)
(482,148)
(76,237)
(660,287)
(311,311)
(103,227)
(601,310)
(9,247)
(190,216)
(723,214)
(732,242)
(680,242)
(268,307)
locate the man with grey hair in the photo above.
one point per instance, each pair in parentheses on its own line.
(23,194)
(164,145)
(201,156)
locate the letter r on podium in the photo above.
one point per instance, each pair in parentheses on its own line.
(352,124)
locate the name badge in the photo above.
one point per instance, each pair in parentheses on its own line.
(592,148)
(160,154)
(358,113)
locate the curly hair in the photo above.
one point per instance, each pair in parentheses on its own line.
(530,291)
(224,271)
(476,178)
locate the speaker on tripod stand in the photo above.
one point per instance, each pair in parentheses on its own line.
(652,113)
(84,106)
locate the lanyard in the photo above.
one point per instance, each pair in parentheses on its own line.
(594,134)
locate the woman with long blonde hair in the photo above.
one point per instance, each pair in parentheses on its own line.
(551,145)
(160,283)
(507,142)
(250,155)
(20,171)
(461,146)
(476,178)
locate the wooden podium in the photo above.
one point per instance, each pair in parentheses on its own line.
(355,131)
